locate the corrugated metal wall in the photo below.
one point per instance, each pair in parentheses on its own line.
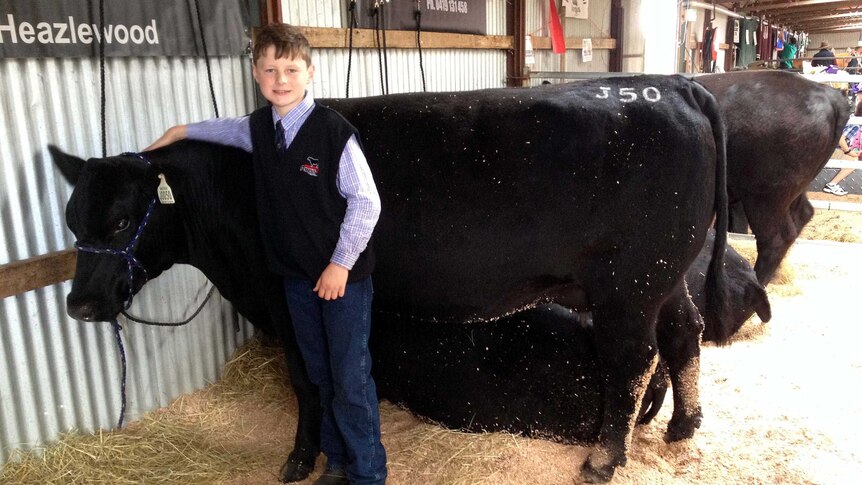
(57,374)
(598,25)
(445,69)
(840,41)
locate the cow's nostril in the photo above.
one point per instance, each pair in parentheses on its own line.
(83,312)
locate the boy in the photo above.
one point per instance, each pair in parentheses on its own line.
(318,206)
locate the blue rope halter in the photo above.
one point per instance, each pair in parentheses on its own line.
(126,253)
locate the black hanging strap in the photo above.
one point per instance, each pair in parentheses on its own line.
(102,75)
(206,57)
(385,51)
(351,23)
(376,14)
(419,42)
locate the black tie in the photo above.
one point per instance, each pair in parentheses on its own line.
(280,144)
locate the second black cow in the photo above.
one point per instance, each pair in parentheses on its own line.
(534,373)
(781,130)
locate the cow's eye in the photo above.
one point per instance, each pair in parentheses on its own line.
(121,225)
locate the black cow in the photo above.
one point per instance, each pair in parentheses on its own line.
(746,294)
(596,197)
(212,226)
(781,130)
(534,373)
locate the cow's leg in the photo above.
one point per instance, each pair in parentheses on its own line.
(801,211)
(737,222)
(300,461)
(655,393)
(679,329)
(627,350)
(775,231)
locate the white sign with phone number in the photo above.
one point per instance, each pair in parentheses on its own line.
(577,9)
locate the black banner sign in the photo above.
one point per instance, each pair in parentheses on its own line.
(460,16)
(71,28)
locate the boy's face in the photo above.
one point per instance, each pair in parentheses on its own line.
(282,81)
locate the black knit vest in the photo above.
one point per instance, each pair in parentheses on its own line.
(298,203)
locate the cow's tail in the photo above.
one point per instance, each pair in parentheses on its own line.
(716,280)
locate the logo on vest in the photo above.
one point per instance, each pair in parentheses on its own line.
(311,168)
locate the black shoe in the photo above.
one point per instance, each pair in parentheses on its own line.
(332,477)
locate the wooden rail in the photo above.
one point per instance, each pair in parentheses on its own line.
(337,38)
(574,43)
(327,37)
(30,274)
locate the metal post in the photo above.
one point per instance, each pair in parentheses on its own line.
(516,13)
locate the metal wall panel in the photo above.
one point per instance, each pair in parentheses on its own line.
(598,25)
(840,41)
(314,13)
(445,69)
(496,12)
(57,374)
(333,13)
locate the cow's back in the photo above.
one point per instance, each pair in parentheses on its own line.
(781,129)
(488,195)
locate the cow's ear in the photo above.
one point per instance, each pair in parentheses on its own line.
(760,301)
(70,166)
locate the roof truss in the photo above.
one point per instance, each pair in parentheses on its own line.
(804,15)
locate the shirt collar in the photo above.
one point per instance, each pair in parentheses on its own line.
(298,112)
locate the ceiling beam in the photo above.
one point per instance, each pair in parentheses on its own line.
(821,25)
(823,31)
(798,17)
(765,7)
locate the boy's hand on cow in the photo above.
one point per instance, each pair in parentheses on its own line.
(174,133)
(332,282)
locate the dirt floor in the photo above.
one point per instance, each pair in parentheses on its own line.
(835,225)
(781,405)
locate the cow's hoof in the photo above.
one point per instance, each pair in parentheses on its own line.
(295,470)
(683,428)
(591,474)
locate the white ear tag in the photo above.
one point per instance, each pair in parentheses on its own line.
(166,195)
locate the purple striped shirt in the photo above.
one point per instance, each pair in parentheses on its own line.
(354,181)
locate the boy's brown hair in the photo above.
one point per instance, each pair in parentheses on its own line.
(288,41)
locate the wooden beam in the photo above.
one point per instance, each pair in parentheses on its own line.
(615,57)
(574,43)
(270,11)
(516,14)
(30,274)
(327,37)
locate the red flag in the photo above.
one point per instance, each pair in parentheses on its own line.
(558,42)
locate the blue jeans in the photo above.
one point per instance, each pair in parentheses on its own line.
(333,339)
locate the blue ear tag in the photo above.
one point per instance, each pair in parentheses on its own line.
(166,195)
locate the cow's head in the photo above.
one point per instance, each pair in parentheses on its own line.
(110,200)
(747,297)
